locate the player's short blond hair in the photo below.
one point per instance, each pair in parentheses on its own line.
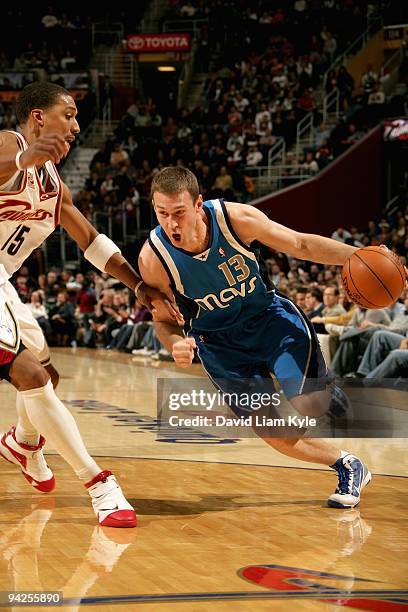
(175,179)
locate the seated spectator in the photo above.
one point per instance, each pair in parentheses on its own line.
(118,316)
(22,288)
(68,62)
(341,235)
(377,96)
(310,165)
(237,157)
(263,115)
(149,345)
(321,134)
(330,46)
(97,323)
(40,314)
(223,184)
(62,319)
(130,336)
(355,338)
(254,156)
(314,306)
(369,80)
(300,297)
(331,297)
(100,159)
(108,186)
(188,10)
(234,116)
(386,356)
(119,156)
(86,300)
(345,84)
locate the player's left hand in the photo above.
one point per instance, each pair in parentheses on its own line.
(159,304)
(183,352)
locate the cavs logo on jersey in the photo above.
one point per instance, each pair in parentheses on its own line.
(221,252)
(16,210)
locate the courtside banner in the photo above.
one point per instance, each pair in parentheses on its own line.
(158,43)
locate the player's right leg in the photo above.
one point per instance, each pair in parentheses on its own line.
(46,413)
(49,415)
(33,338)
(303,375)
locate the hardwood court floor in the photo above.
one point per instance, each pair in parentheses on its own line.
(221,526)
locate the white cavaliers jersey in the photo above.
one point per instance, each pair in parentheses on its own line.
(29,212)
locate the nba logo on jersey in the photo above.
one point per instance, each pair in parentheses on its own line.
(221,251)
(30,180)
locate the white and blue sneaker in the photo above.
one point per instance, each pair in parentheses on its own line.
(353,477)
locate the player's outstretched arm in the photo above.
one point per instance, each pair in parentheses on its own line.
(106,256)
(251,224)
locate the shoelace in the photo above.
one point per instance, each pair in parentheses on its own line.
(345,480)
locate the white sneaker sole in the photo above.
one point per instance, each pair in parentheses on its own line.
(334,503)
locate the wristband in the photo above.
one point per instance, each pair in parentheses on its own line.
(19,166)
(100,251)
(137,286)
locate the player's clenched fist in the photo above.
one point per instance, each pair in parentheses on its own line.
(44,148)
(183,352)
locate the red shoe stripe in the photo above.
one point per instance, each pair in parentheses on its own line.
(101,476)
(120,518)
(45,486)
(28,447)
(22,459)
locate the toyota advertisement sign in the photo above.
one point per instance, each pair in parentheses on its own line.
(158,43)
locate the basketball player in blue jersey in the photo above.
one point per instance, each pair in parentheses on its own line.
(200,253)
(33,200)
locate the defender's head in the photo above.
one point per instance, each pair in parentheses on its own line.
(47,108)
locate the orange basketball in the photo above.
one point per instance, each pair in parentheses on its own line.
(373,277)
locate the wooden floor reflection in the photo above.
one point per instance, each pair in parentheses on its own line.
(221,526)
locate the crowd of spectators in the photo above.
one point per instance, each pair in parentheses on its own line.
(93,310)
(56,37)
(260,85)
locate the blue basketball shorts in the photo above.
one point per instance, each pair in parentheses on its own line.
(279,340)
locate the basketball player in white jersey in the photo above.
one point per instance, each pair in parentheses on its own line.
(33,201)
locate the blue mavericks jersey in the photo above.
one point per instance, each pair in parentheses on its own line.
(220,287)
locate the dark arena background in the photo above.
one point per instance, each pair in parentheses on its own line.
(300,109)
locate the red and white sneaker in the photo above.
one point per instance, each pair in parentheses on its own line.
(109,503)
(30,459)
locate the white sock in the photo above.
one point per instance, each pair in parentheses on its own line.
(25,433)
(49,415)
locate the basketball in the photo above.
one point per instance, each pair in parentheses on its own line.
(373,277)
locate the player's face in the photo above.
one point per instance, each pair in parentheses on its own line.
(178,215)
(61,119)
